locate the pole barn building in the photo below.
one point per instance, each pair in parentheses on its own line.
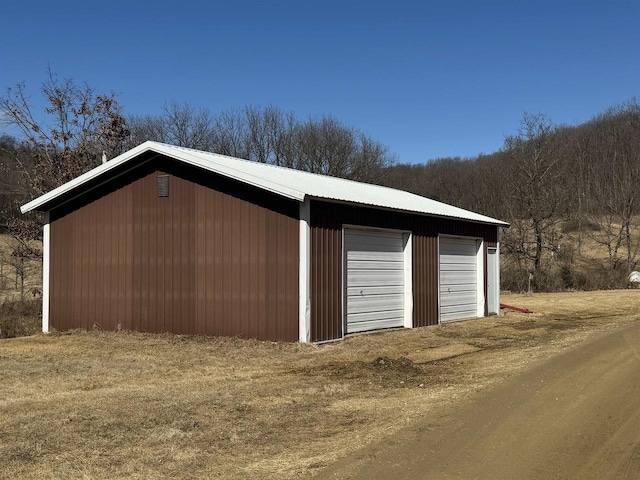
(168,239)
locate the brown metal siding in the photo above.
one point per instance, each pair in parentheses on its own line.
(326,283)
(214,258)
(89,275)
(327,220)
(425,280)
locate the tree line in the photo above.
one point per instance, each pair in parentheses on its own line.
(568,191)
(564,189)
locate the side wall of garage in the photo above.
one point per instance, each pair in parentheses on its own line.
(327,221)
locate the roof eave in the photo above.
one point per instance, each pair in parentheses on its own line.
(486,221)
(84,178)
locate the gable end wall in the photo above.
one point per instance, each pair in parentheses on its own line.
(215,257)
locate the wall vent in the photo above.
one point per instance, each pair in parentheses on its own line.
(163,185)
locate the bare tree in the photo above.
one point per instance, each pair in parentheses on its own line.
(232,135)
(179,124)
(79,126)
(614,177)
(535,175)
(269,135)
(328,147)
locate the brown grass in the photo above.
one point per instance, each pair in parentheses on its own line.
(114,405)
(20,318)
(9,281)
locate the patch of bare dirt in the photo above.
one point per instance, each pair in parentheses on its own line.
(382,372)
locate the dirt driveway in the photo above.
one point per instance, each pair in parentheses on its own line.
(575,416)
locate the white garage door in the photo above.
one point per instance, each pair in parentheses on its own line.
(458,279)
(375,280)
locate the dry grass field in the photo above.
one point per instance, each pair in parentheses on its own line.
(129,405)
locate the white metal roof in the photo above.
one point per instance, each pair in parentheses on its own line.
(294,184)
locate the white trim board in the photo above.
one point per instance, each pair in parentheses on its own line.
(304,272)
(46,271)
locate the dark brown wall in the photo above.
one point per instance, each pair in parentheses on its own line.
(327,220)
(326,274)
(214,258)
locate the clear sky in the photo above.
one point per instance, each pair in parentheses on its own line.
(428,79)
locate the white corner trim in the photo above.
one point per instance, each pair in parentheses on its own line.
(498,276)
(304,329)
(408,280)
(46,261)
(480,277)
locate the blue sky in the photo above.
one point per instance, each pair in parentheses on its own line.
(428,79)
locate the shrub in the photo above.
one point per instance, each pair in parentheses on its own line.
(593,274)
(547,280)
(20,318)
(513,278)
(567,276)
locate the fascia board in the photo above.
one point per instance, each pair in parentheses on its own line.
(85,177)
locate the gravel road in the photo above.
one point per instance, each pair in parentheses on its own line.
(575,416)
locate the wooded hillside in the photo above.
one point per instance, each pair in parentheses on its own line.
(569,192)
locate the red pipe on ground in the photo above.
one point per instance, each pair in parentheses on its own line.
(515,309)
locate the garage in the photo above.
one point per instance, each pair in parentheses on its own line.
(237,248)
(458,278)
(375,279)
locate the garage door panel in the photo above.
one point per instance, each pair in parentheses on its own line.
(458,307)
(374,303)
(374,265)
(374,280)
(376,290)
(462,287)
(456,260)
(458,278)
(458,244)
(376,248)
(464,297)
(375,255)
(458,252)
(374,321)
(450,317)
(469,268)
(366,242)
